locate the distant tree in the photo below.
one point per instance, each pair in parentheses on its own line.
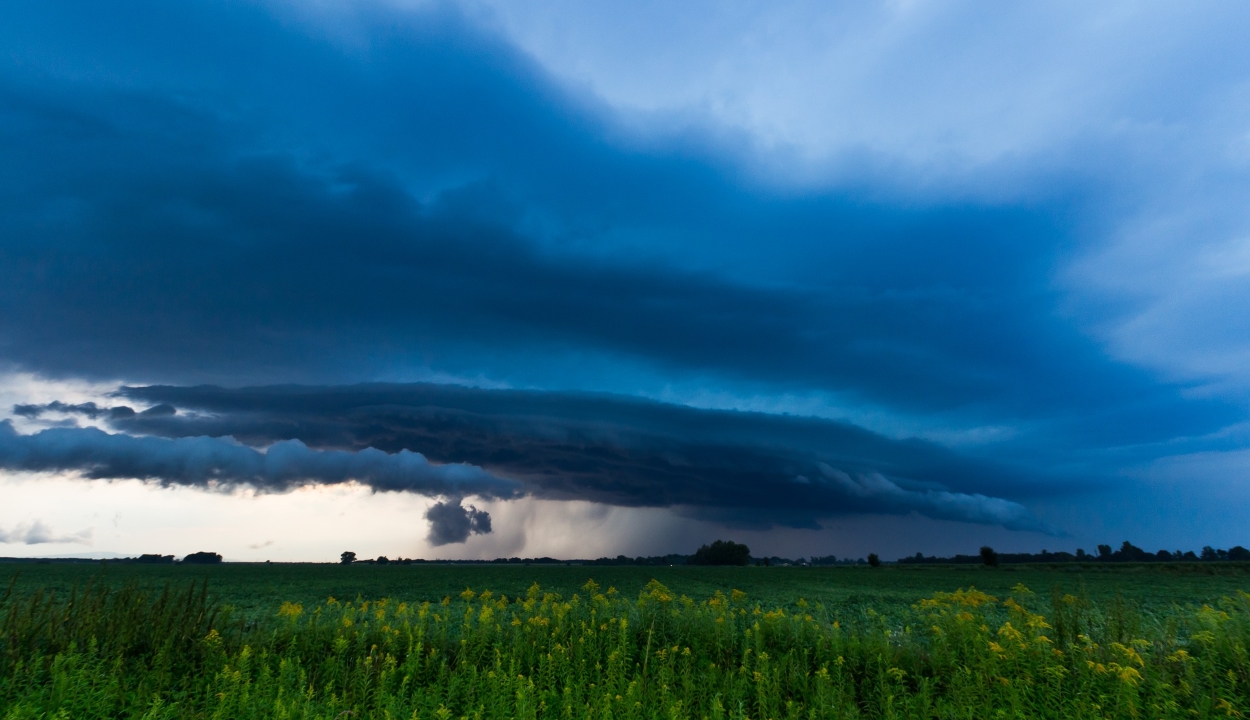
(1163,556)
(1129,552)
(1238,553)
(155,559)
(383,560)
(347,558)
(989,558)
(1190,556)
(1104,552)
(1080,554)
(1208,553)
(721,552)
(873,560)
(202,558)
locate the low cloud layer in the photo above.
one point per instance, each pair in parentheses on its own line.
(746,469)
(86,409)
(222,462)
(37,533)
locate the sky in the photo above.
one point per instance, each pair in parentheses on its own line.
(486,279)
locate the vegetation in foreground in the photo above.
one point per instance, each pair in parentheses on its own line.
(128,652)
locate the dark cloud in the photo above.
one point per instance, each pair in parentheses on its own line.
(221,462)
(744,468)
(451,522)
(88,409)
(198,192)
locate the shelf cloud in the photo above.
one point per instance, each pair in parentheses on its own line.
(748,469)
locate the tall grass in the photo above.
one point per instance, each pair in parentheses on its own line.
(963,654)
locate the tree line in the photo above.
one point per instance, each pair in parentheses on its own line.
(1127,552)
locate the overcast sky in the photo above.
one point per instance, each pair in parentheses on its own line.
(280,280)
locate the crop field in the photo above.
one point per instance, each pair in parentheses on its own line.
(445,642)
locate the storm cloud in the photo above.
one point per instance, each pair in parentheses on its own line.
(748,469)
(325,215)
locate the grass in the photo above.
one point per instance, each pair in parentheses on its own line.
(415,641)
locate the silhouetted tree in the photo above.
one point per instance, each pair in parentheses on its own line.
(1080,554)
(873,560)
(202,558)
(721,552)
(1104,552)
(1239,553)
(347,558)
(1208,553)
(383,560)
(988,557)
(1129,552)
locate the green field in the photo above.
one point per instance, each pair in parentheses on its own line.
(258,589)
(427,641)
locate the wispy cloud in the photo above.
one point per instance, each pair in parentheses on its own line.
(37,533)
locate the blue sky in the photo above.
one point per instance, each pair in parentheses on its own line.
(830,277)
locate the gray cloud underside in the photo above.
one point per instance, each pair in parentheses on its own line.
(744,468)
(221,462)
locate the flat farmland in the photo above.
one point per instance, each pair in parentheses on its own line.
(541,641)
(259,589)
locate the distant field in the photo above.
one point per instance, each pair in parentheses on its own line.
(258,589)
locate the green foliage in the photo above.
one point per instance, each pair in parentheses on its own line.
(128,652)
